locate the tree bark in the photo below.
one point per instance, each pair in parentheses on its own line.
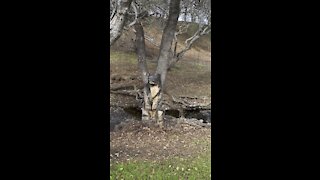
(141,52)
(154,84)
(118,21)
(167,39)
(150,109)
(163,58)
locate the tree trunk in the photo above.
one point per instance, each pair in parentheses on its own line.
(154,84)
(151,84)
(141,52)
(163,58)
(118,21)
(167,39)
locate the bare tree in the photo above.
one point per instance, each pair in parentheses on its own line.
(176,56)
(201,10)
(154,83)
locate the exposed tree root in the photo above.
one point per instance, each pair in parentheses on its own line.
(169,102)
(192,103)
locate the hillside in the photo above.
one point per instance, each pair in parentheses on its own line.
(153,30)
(179,151)
(192,74)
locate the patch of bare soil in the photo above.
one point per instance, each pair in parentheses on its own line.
(137,140)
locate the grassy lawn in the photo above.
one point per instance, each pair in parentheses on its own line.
(195,168)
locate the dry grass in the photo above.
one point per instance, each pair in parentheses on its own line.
(188,78)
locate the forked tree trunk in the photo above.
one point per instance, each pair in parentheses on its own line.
(154,84)
(151,91)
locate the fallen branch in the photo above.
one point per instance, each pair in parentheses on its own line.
(191,105)
(169,102)
(194,122)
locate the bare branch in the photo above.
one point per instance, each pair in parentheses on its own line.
(151,40)
(189,42)
(135,13)
(202,30)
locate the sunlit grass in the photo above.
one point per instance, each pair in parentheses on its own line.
(121,57)
(177,168)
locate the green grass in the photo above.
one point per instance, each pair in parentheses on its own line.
(123,57)
(194,168)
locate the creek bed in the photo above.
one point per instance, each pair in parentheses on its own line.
(118,115)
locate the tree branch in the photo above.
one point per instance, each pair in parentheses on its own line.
(135,13)
(202,30)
